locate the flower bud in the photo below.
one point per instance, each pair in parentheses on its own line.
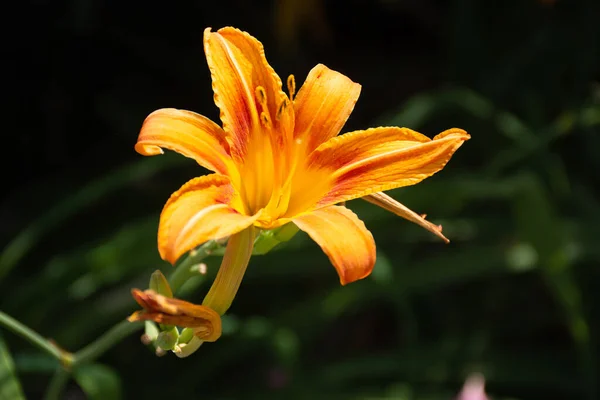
(159,284)
(151,332)
(186,335)
(170,312)
(167,340)
(185,349)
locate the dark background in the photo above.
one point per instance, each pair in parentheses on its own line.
(514,296)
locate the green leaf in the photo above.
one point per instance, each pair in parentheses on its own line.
(10,388)
(98,381)
(35,363)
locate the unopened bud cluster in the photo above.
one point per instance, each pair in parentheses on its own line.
(163,338)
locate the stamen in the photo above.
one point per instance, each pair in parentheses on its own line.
(281,109)
(265,120)
(291,85)
(261,97)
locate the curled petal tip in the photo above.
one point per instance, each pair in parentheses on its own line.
(187,133)
(148,150)
(459,133)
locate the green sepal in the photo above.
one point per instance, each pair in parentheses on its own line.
(267,240)
(286,232)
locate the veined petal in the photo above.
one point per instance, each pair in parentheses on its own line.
(239,68)
(380,159)
(187,133)
(201,210)
(344,238)
(323,104)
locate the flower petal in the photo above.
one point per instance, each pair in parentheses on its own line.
(323,104)
(388,203)
(344,238)
(204,208)
(379,159)
(187,133)
(238,68)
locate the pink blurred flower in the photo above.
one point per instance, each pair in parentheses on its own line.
(474,389)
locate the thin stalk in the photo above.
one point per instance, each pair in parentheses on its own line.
(57,383)
(106,341)
(184,270)
(35,338)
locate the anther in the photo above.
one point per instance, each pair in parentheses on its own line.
(291,85)
(281,109)
(264,119)
(261,97)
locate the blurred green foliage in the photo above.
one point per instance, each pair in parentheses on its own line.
(514,296)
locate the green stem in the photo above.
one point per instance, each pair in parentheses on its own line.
(184,270)
(106,341)
(35,338)
(88,354)
(95,349)
(122,329)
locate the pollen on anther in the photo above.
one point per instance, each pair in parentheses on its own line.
(264,119)
(281,109)
(261,96)
(291,85)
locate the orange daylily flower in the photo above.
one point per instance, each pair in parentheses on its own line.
(205,322)
(279,159)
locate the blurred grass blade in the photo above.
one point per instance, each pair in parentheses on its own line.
(539,226)
(35,363)
(28,238)
(10,388)
(422,108)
